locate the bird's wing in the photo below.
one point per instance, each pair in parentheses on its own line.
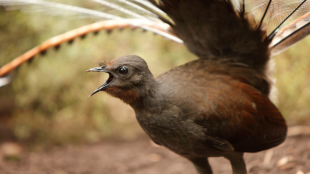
(241,115)
(232,112)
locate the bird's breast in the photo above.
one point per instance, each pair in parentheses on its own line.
(183,137)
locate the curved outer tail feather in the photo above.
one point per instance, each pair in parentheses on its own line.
(69,36)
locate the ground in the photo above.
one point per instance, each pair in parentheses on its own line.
(140,156)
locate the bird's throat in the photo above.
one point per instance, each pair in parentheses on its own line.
(128,96)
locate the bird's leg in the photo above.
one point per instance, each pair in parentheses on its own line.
(237,162)
(202,165)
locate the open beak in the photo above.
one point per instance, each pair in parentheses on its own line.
(106,83)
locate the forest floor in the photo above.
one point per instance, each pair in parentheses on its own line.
(140,156)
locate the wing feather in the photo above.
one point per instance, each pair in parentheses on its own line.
(244,117)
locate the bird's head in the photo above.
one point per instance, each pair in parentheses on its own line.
(129,78)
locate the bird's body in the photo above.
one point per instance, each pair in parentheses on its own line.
(205,108)
(210,108)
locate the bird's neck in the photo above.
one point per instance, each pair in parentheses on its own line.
(150,102)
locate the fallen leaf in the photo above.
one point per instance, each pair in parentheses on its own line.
(11,151)
(284,160)
(287,166)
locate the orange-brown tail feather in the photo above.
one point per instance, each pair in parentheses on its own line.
(70,36)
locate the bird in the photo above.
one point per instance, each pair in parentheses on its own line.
(217,105)
(205,108)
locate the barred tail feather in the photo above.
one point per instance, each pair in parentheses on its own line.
(160,29)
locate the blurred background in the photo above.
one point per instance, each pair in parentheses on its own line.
(47,102)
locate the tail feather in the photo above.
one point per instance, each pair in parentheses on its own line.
(235,30)
(5,80)
(284,20)
(57,8)
(215,29)
(80,32)
(121,9)
(137,7)
(291,34)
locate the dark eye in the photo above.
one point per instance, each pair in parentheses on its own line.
(123,70)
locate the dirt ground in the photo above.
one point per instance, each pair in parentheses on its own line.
(142,157)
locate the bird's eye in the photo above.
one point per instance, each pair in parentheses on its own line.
(123,70)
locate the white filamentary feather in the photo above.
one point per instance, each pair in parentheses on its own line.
(137,7)
(116,7)
(236,4)
(26,3)
(149,5)
(58,8)
(5,80)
